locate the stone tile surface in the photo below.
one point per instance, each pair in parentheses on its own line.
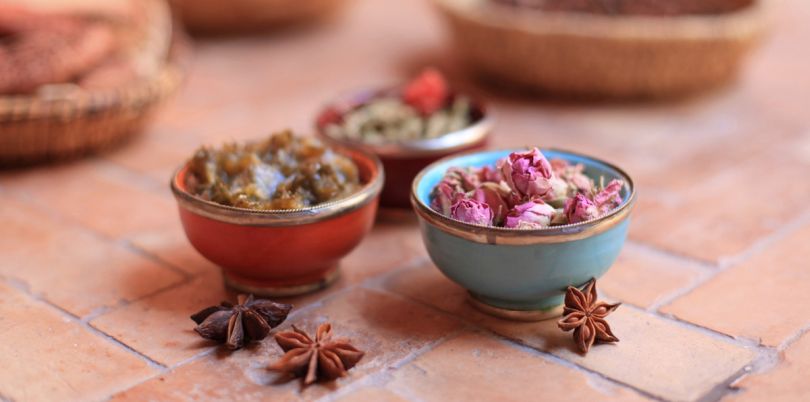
(463,369)
(757,299)
(101,197)
(71,267)
(787,382)
(372,320)
(47,356)
(644,278)
(171,246)
(657,356)
(369,394)
(159,326)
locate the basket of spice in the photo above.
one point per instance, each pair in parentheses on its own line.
(277,215)
(77,80)
(606,48)
(229,16)
(517,227)
(408,127)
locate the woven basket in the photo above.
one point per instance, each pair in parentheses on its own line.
(586,55)
(38,128)
(228,16)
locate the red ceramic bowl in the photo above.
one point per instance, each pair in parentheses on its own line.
(281,252)
(404,160)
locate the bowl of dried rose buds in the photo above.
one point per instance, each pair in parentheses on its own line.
(277,215)
(407,127)
(517,227)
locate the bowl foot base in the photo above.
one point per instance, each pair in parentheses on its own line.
(279,290)
(552,312)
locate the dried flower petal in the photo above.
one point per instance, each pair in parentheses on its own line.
(527,173)
(530,215)
(471,211)
(609,198)
(580,209)
(495,196)
(427,92)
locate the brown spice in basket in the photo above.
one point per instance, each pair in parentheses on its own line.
(634,7)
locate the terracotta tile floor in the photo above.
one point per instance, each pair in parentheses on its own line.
(97,280)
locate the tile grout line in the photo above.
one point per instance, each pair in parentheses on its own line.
(124,243)
(590,374)
(295,313)
(766,241)
(676,294)
(765,357)
(130,246)
(77,320)
(488,331)
(213,349)
(793,338)
(385,372)
(681,258)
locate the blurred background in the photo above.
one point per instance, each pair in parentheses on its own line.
(697,107)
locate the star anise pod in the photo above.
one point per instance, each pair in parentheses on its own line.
(323,358)
(237,325)
(586,316)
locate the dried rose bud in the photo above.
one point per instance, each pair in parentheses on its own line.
(487,173)
(609,197)
(580,209)
(573,175)
(560,191)
(495,196)
(467,180)
(530,215)
(527,173)
(443,196)
(471,211)
(427,92)
(559,217)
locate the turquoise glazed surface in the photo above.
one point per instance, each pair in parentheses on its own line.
(523,270)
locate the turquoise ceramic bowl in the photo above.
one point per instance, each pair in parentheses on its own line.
(519,273)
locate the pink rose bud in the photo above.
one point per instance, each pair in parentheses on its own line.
(527,173)
(558,166)
(580,209)
(530,215)
(609,197)
(495,195)
(560,189)
(443,196)
(573,175)
(466,180)
(487,173)
(471,211)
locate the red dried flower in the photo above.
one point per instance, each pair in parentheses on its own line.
(426,93)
